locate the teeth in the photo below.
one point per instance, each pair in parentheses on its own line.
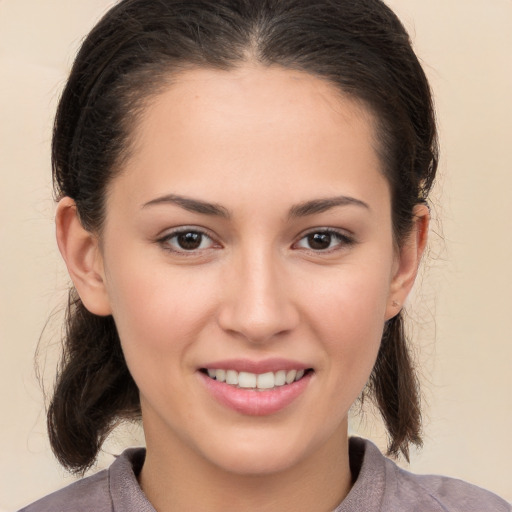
(249,380)
(280,378)
(266,381)
(232,377)
(246,380)
(290,376)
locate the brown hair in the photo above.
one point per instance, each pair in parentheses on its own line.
(359,46)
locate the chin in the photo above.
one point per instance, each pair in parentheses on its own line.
(257,464)
(261,455)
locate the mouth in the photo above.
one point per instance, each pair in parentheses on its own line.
(256,388)
(256,381)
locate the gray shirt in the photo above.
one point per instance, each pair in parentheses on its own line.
(380,486)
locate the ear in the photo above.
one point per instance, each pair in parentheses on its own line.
(408,260)
(81,252)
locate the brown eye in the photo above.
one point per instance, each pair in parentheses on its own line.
(189,241)
(186,241)
(319,241)
(324,240)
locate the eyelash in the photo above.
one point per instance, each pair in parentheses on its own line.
(165,241)
(343,241)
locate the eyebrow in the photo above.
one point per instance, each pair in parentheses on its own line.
(322,205)
(299,210)
(192,205)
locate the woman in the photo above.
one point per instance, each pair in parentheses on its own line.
(242,209)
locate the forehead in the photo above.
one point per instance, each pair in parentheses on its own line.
(245,127)
(263,97)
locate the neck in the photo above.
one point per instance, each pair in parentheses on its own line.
(175,478)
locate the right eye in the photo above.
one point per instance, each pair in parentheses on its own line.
(186,241)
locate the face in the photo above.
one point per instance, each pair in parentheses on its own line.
(249,238)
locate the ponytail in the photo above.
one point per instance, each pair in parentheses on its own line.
(394,388)
(94,389)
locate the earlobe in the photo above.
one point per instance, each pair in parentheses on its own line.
(81,253)
(408,261)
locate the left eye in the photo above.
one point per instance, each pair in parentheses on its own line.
(186,241)
(323,240)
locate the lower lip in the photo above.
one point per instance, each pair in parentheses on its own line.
(253,402)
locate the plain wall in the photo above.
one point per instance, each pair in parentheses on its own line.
(461,311)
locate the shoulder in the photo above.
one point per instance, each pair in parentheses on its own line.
(80,496)
(383,486)
(451,494)
(438,493)
(115,488)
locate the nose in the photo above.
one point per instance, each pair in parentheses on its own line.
(257,304)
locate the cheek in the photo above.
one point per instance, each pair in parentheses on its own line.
(351,301)
(348,315)
(159,318)
(157,312)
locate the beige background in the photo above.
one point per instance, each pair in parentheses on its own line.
(466,354)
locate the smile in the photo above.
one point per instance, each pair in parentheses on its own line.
(256,381)
(256,393)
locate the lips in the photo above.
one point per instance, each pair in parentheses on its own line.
(256,388)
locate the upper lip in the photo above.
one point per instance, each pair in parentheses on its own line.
(258,367)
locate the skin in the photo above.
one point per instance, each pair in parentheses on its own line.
(258,143)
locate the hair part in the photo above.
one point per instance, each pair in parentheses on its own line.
(134,52)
